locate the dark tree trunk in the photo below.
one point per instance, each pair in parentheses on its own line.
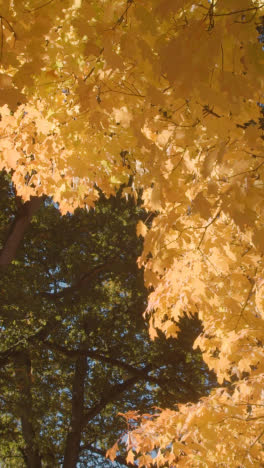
(23,379)
(17,231)
(72,448)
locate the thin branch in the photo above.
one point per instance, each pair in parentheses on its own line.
(246,172)
(250,292)
(194,124)
(89,74)
(109,90)
(176,167)
(257,439)
(252,444)
(11,29)
(222,50)
(194,228)
(124,14)
(39,7)
(2,39)
(210,110)
(207,226)
(245,10)
(248,21)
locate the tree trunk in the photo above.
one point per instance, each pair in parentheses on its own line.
(17,231)
(72,448)
(23,378)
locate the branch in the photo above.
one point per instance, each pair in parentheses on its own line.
(250,292)
(112,395)
(207,226)
(83,282)
(40,335)
(141,373)
(124,14)
(230,13)
(25,410)
(75,353)
(73,440)
(245,10)
(257,439)
(246,172)
(39,7)
(17,230)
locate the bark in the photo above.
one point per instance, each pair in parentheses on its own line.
(73,440)
(79,418)
(112,395)
(23,377)
(17,231)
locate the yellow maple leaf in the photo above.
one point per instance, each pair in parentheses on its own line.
(141,229)
(130,457)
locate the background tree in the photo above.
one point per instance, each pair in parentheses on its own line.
(75,348)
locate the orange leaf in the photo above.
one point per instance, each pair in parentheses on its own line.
(111,453)
(141,229)
(130,457)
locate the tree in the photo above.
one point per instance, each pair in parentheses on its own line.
(167,94)
(74,346)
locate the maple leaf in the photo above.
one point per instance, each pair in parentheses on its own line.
(141,229)
(111,453)
(130,457)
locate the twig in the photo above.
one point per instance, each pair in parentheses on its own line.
(239,11)
(247,299)
(2,38)
(89,74)
(207,226)
(39,7)
(246,172)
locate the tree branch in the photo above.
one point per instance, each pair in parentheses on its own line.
(141,373)
(109,266)
(73,439)
(41,334)
(23,380)
(113,394)
(75,353)
(17,230)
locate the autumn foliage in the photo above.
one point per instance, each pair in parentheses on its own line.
(165,94)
